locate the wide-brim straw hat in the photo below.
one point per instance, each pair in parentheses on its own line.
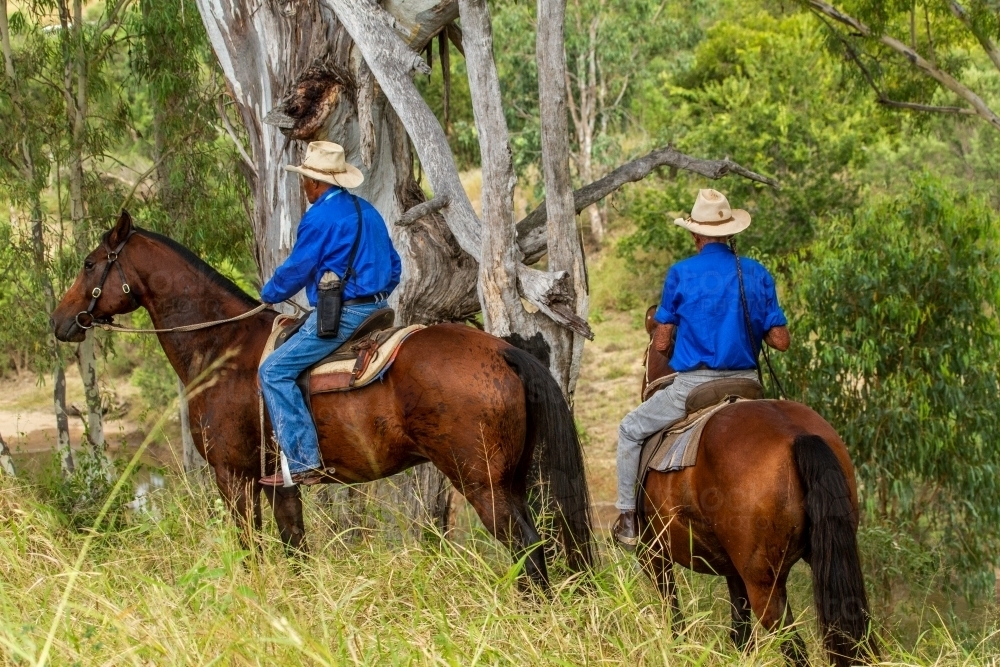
(712,216)
(325,162)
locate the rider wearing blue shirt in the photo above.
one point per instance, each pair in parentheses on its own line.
(701,318)
(323,244)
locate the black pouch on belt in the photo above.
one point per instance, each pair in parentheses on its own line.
(330,299)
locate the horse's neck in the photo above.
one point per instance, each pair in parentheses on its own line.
(186,297)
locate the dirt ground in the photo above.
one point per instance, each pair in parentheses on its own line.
(608,388)
(28,423)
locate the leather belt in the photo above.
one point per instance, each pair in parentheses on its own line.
(373,298)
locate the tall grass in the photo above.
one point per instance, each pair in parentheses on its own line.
(174,587)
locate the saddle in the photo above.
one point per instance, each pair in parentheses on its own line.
(676,446)
(360,360)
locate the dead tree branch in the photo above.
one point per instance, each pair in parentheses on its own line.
(420,210)
(918,61)
(531,233)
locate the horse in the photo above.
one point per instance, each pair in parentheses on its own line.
(472,404)
(772,483)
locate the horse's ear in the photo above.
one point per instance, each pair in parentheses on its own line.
(121,229)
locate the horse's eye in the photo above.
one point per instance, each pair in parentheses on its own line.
(88,264)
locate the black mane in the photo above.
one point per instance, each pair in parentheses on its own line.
(200,265)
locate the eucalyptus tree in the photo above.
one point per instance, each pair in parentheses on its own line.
(28,107)
(916,54)
(343,71)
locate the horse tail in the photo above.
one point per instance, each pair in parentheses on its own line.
(552,438)
(838,584)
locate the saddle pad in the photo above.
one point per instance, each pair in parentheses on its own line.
(336,375)
(676,446)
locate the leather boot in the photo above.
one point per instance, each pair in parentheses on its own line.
(626,530)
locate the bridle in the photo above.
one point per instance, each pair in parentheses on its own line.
(106,322)
(95,293)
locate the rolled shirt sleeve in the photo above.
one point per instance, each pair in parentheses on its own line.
(296,271)
(667,312)
(773,315)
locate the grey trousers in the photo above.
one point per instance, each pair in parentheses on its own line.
(662,409)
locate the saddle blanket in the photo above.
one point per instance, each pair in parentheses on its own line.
(367,360)
(676,446)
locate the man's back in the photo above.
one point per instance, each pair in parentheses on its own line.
(323,242)
(701,297)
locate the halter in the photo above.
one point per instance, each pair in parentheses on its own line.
(95,293)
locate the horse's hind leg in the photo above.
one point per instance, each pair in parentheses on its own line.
(287,506)
(742,614)
(503,517)
(769,600)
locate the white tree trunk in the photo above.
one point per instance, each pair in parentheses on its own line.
(6,462)
(565,250)
(262,47)
(190,458)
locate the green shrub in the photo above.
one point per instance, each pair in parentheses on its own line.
(896,339)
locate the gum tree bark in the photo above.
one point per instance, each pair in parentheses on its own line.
(262,47)
(565,249)
(31,177)
(6,462)
(76,65)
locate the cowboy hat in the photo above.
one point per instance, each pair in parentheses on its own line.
(712,216)
(325,162)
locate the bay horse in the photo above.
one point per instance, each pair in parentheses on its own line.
(772,483)
(468,402)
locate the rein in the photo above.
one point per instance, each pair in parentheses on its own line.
(746,319)
(95,294)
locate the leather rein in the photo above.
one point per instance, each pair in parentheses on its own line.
(107,324)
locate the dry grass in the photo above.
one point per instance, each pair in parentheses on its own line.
(175,588)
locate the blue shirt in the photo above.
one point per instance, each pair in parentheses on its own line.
(701,296)
(323,242)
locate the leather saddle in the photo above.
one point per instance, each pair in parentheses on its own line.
(676,446)
(360,359)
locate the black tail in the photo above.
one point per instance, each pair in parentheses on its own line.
(553,438)
(838,585)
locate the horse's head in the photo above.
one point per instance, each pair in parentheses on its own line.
(100,290)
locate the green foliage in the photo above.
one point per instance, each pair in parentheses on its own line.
(932,29)
(79,497)
(896,340)
(760,91)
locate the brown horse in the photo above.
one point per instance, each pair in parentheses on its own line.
(772,483)
(470,403)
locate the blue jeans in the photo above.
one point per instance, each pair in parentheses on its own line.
(291,419)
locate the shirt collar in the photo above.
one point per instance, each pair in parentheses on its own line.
(332,192)
(713,248)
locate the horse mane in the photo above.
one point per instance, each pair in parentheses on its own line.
(200,265)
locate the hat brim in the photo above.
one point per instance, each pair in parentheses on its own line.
(350,178)
(739,221)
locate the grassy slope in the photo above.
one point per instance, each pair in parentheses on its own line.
(175,588)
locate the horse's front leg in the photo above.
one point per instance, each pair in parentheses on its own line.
(241,493)
(287,506)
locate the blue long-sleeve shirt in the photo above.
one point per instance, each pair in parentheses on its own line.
(701,296)
(323,242)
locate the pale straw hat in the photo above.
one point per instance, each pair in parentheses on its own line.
(325,162)
(712,216)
